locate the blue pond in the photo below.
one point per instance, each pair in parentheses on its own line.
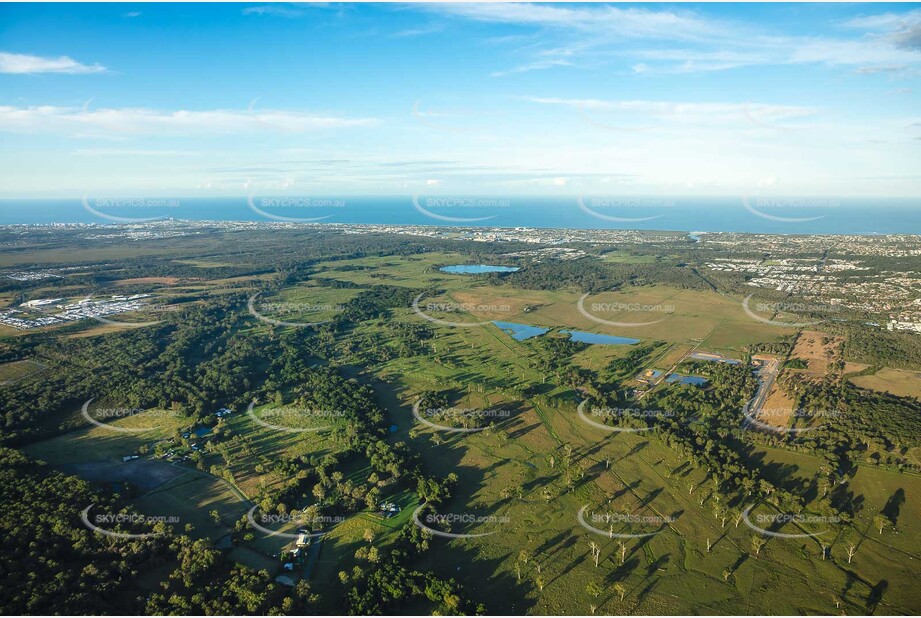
(201,431)
(520,332)
(583,337)
(677,377)
(477,269)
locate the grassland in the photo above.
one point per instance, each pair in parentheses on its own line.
(899,382)
(507,472)
(17,370)
(515,472)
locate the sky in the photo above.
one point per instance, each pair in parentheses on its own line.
(211,100)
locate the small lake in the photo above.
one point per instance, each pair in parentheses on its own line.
(201,432)
(583,337)
(677,377)
(477,269)
(520,332)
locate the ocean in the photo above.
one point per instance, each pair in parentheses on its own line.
(717,214)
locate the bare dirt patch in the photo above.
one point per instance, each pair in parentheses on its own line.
(819,350)
(777,409)
(162,280)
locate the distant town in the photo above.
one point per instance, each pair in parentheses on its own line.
(835,273)
(36,313)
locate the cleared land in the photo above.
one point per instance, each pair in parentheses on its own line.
(899,382)
(517,473)
(17,370)
(818,350)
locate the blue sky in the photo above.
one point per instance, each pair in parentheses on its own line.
(543,99)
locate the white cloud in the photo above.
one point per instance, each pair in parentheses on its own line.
(131,152)
(273,10)
(141,121)
(422,31)
(625,22)
(885,21)
(684,111)
(706,44)
(25,64)
(538,65)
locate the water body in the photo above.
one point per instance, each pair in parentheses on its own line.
(583,337)
(201,432)
(477,269)
(703,214)
(677,377)
(520,332)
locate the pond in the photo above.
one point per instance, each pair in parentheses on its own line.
(520,332)
(477,269)
(583,337)
(201,432)
(677,377)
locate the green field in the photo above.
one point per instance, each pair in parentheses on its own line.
(17,370)
(531,474)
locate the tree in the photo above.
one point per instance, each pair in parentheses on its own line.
(726,574)
(593,590)
(880,522)
(596,551)
(757,544)
(620,590)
